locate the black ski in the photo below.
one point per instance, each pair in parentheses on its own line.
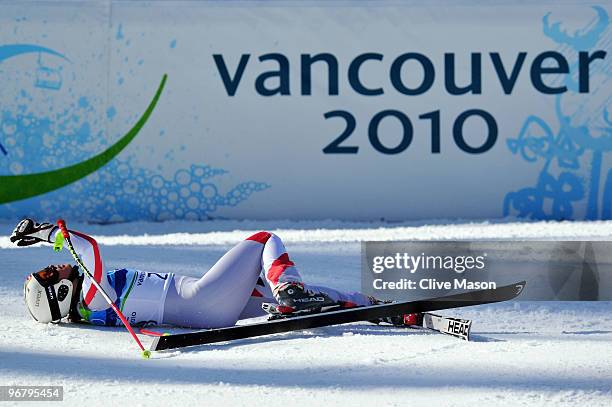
(337,317)
(457,327)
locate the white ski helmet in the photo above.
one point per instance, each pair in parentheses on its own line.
(47,300)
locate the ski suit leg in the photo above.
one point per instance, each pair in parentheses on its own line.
(278,268)
(232,288)
(218,298)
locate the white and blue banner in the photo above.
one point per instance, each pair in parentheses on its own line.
(353,110)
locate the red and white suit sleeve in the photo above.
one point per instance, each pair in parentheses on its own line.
(89,252)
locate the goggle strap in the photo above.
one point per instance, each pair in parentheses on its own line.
(53,304)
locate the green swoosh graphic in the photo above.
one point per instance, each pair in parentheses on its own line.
(16,187)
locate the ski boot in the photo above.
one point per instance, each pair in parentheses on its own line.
(294,299)
(415,319)
(397,320)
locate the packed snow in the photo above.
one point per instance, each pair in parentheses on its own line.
(522,353)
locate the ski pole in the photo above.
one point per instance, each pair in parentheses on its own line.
(152,333)
(62,225)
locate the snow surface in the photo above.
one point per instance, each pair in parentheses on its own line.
(523,353)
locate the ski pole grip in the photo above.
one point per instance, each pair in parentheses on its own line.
(62,226)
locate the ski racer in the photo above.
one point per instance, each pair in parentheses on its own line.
(257,270)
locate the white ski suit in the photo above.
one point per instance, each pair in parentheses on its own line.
(234,288)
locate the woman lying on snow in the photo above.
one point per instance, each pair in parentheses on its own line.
(232,289)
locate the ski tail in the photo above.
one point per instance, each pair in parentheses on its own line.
(456,327)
